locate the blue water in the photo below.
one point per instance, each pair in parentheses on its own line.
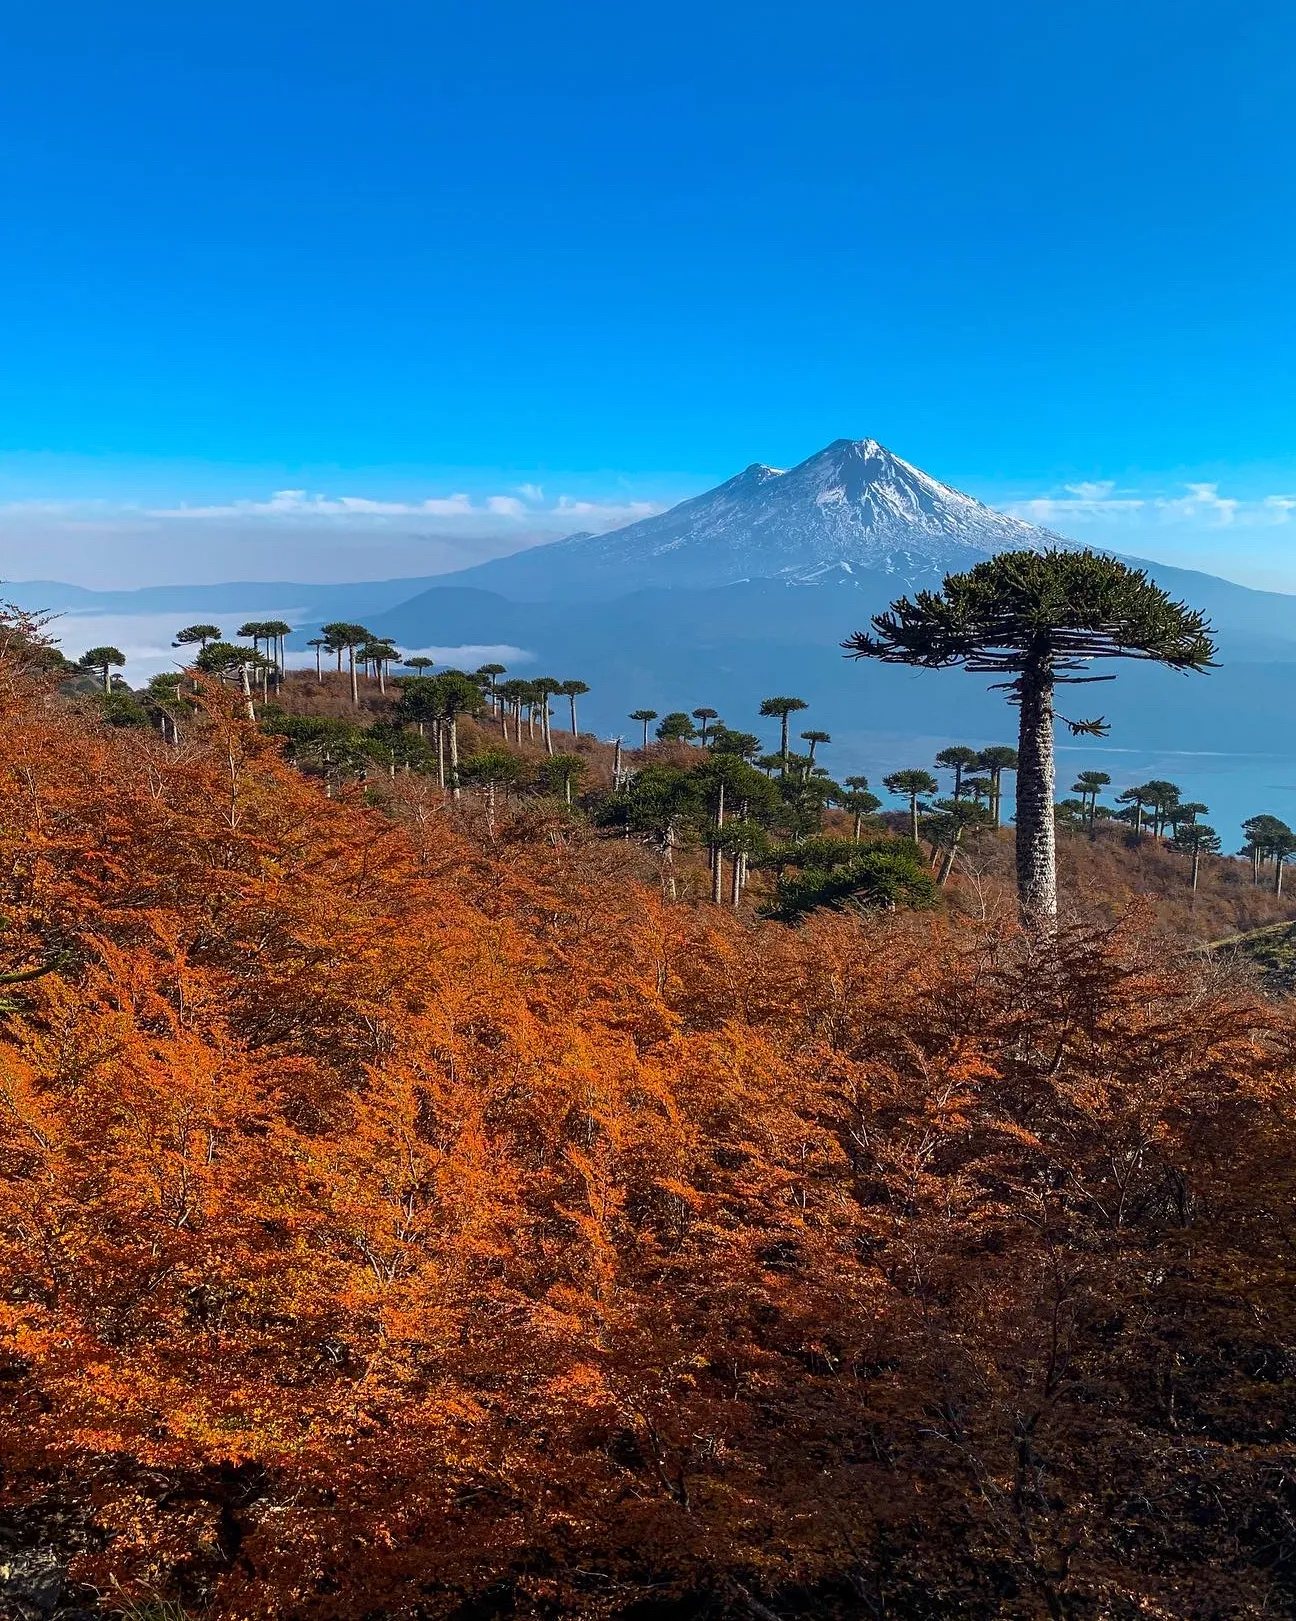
(1234,786)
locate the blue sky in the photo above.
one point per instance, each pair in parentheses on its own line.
(546,266)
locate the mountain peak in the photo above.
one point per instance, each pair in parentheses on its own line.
(853,508)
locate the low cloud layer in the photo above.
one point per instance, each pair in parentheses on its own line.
(288,534)
(1197,504)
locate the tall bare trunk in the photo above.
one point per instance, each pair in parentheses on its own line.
(454,755)
(247,692)
(616,764)
(544,727)
(1278,872)
(440,740)
(1196,864)
(859,823)
(913,817)
(717,854)
(735,879)
(355,690)
(503,719)
(572,701)
(1036,786)
(319,668)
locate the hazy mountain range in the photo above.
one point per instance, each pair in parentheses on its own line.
(750,588)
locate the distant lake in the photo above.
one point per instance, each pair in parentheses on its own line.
(1235,786)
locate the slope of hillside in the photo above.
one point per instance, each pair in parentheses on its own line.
(399,1221)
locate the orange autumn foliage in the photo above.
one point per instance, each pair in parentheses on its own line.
(396,1226)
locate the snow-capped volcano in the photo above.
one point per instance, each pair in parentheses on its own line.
(853,508)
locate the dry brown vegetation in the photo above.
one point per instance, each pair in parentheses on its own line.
(397,1222)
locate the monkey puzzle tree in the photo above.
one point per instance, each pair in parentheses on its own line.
(103,660)
(911,785)
(859,802)
(644,716)
(561,771)
(319,643)
(677,727)
(571,690)
(491,770)
(995,761)
(202,634)
(957,759)
(1038,619)
(1089,784)
(704,717)
(1196,839)
(814,738)
(781,708)
(458,694)
(278,630)
(343,636)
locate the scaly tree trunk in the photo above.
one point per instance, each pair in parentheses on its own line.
(1279,864)
(947,866)
(454,756)
(355,690)
(1196,865)
(247,692)
(913,817)
(1036,787)
(571,699)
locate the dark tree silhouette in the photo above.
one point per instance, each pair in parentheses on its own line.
(1038,619)
(814,738)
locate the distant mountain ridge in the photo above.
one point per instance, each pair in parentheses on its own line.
(853,507)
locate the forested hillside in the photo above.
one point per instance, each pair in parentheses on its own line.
(412,1213)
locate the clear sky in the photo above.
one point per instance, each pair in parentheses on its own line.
(548,265)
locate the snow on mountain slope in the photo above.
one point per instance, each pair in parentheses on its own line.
(852,508)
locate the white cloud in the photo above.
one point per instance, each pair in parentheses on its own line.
(1201,503)
(494,513)
(1084,500)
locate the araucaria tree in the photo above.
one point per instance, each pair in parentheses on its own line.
(342,634)
(911,785)
(1037,619)
(781,708)
(103,660)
